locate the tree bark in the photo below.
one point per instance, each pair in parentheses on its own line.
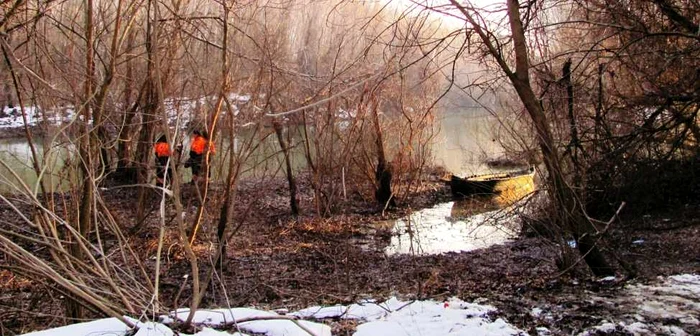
(569,208)
(74,310)
(293,204)
(563,198)
(383,193)
(574,143)
(226,212)
(124,143)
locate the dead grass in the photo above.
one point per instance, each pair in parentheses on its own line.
(278,261)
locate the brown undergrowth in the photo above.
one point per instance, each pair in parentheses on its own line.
(275,260)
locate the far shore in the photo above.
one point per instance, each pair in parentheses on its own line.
(19,132)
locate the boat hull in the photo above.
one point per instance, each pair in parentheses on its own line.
(504,189)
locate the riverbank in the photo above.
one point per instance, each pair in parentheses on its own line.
(19,132)
(275,260)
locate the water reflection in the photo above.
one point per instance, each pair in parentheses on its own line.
(265,158)
(465,140)
(451,227)
(16,154)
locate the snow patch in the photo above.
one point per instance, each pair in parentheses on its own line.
(536,312)
(12,117)
(607,279)
(638,328)
(542,331)
(674,299)
(212,332)
(228,317)
(220,317)
(677,297)
(606,327)
(425,318)
(392,317)
(153,329)
(108,326)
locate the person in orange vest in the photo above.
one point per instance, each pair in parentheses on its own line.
(163,153)
(198,148)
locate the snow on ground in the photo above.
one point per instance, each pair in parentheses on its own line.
(428,318)
(682,290)
(108,326)
(12,117)
(670,307)
(393,317)
(228,317)
(185,108)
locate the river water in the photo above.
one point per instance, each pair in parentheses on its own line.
(17,172)
(464,140)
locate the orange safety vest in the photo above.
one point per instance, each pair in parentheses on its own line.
(162,149)
(199,144)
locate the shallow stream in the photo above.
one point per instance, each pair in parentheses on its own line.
(451,227)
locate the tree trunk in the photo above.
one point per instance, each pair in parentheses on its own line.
(383,193)
(143,150)
(227,207)
(599,105)
(290,174)
(73,308)
(563,197)
(574,143)
(571,217)
(124,144)
(7,75)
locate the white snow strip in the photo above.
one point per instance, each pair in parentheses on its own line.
(607,279)
(281,327)
(212,332)
(153,329)
(108,326)
(542,331)
(362,311)
(424,318)
(421,324)
(285,328)
(393,317)
(219,317)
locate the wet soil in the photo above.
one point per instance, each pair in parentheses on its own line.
(275,260)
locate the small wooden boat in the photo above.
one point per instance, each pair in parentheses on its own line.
(505,188)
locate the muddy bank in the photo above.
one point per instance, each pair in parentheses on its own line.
(19,132)
(275,260)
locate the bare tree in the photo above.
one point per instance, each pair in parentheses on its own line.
(568,207)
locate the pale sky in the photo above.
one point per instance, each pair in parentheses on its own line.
(495,6)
